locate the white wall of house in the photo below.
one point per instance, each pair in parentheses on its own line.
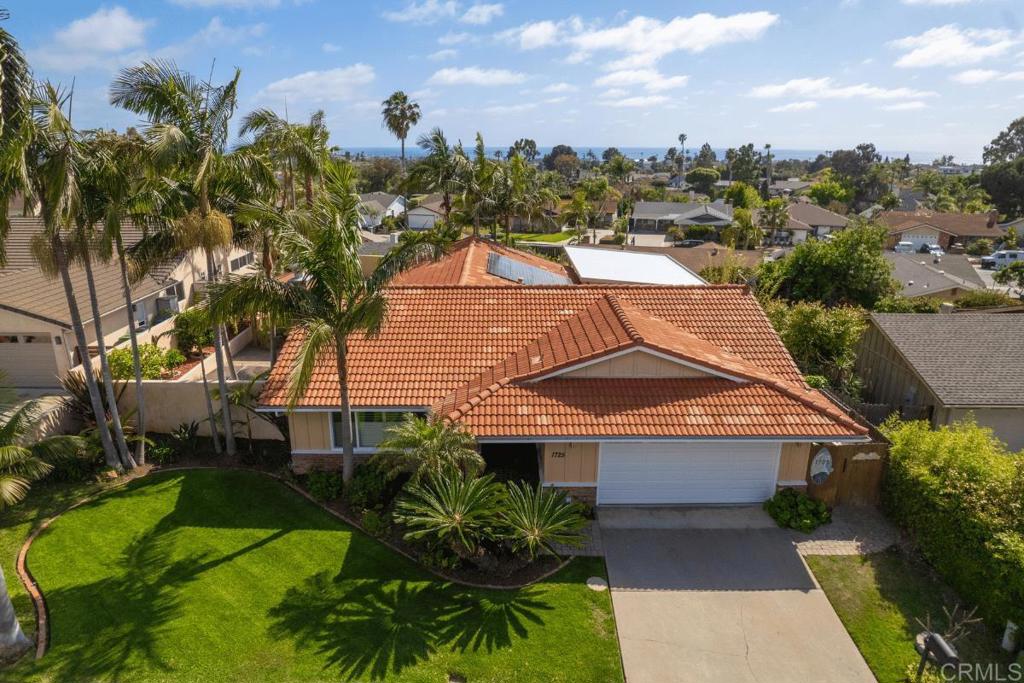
(421,218)
(1006,423)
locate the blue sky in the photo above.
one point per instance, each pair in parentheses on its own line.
(926,75)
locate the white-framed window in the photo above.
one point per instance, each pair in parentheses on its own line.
(369,427)
(242,261)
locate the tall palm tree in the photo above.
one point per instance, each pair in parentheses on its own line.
(15,96)
(399,114)
(51,158)
(768,163)
(682,147)
(299,149)
(773,216)
(476,201)
(579,214)
(730,158)
(187,134)
(439,171)
(334,300)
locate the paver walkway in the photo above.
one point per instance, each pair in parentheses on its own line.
(854,530)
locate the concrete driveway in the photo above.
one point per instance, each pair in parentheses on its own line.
(723,606)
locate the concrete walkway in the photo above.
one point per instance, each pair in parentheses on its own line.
(723,606)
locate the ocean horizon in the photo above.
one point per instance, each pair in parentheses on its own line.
(412,152)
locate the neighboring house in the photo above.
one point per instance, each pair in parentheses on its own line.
(374,207)
(784,188)
(596,265)
(1017,225)
(425,214)
(617,394)
(923,228)
(924,275)
(660,216)
(700,257)
(808,220)
(944,367)
(475,261)
(37,343)
(911,200)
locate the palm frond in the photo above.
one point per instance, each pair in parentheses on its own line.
(318,338)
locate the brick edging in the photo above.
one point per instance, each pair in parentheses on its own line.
(39,602)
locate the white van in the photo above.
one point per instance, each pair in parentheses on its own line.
(904,248)
(1002,258)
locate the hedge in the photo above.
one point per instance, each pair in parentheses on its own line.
(960,493)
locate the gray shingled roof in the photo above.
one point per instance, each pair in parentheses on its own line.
(919,274)
(967,359)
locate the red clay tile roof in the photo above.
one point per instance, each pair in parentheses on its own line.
(958,224)
(610,407)
(466,264)
(472,351)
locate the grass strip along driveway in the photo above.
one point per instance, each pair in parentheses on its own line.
(226,575)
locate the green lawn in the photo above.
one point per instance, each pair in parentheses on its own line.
(553,237)
(879,599)
(223,576)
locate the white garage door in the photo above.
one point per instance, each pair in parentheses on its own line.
(27,360)
(647,473)
(920,238)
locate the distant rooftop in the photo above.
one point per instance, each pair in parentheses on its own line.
(593,264)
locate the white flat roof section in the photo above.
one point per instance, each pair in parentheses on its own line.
(594,264)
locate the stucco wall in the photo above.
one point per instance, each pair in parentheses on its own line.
(636,364)
(1007,423)
(570,462)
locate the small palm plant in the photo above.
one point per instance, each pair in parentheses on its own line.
(422,446)
(454,509)
(537,518)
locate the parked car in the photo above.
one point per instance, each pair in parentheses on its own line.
(935,250)
(1002,258)
(691,243)
(904,248)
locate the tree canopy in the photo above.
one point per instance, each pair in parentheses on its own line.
(1008,145)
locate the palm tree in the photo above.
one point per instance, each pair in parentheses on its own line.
(730,158)
(439,171)
(537,518)
(21,463)
(420,446)
(579,214)
(399,115)
(334,300)
(15,96)
(768,163)
(774,216)
(50,156)
(187,133)
(298,148)
(476,201)
(682,147)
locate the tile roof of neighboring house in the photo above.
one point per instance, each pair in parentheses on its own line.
(967,359)
(957,224)
(479,355)
(700,257)
(467,264)
(24,288)
(920,274)
(681,210)
(814,215)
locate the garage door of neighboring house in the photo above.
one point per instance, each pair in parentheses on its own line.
(920,238)
(653,473)
(28,360)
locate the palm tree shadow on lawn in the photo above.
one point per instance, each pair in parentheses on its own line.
(375,628)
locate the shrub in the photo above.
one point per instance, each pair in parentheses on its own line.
(268,454)
(960,494)
(193,330)
(984,298)
(901,304)
(536,518)
(374,523)
(154,361)
(323,485)
(185,439)
(982,247)
(81,466)
(161,454)
(699,232)
(370,487)
(792,509)
(816,381)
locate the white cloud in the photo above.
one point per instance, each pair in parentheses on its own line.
(331,85)
(639,101)
(950,45)
(482,13)
(510,108)
(936,2)
(442,55)
(905,106)
(451,38)
(826,88)
(555,100)
(474,75)
(614,92)
(803,105)
(651,79)
(978,76)
(105,30)
(644,40)
(426,12)
(559,87)
(533,36)
(330,47)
